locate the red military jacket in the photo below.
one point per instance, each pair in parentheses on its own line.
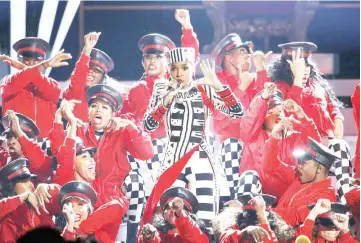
(292,206)
(318,107)
(17,218)
(233,234)
(77,91)
(111,156)
(188,232)
(106,191)
(140,95)
(103,223)
(254,140)
(32,94)
(222,126)
(39,163)
(355,99)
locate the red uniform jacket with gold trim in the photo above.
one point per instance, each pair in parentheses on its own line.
(30,93)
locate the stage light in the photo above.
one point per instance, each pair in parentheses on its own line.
(68,16)
(17,25)
(47,18)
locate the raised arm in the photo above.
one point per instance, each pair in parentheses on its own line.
(189,37)
(76,89)
(219,97)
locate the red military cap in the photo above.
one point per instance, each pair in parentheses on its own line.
(14,171)
(227,44)
(32,47)
(27,125)
(77,189)
(106,93)
(101,61)
(155,44)
(190,201)
(306,48)
(317,152)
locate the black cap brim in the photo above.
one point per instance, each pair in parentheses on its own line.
(91,151)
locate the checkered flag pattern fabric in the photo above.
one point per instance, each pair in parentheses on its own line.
(230,156)
(249,183)
(341,169)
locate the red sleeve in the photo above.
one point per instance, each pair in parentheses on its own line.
(290,92)
(334,112)
(353,200)
(251,122)
(139,100)
(270,232)
(39,162)
(114,212)
(47,89)
(189,39)
(261,79)
(56,137)
(231,235)
(355,100)
(53,205)
(189,230)
(76,90)
(272,164)
(347,238)
(65,157)
(138,143)
(307,128)
(8,205)
(14,83)
(305,229)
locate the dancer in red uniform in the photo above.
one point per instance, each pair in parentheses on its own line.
(77,200)
(19,210)
(235,56)
(92,68)
(355,99)
(177,222)
(21,133)
(298,78)
(307,185)
(28,91)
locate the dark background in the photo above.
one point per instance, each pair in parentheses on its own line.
(334,30)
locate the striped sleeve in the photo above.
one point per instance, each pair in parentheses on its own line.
(156,109)
(152,119)
(224,100)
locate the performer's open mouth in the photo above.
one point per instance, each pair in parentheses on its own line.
(152,67)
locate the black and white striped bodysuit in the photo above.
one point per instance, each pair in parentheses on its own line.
(186,121)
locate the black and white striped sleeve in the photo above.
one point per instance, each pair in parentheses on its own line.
(152,119)
(225,101)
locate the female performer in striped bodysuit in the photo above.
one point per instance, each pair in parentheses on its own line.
(186,108)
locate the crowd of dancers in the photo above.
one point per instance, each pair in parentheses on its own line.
(235,156)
